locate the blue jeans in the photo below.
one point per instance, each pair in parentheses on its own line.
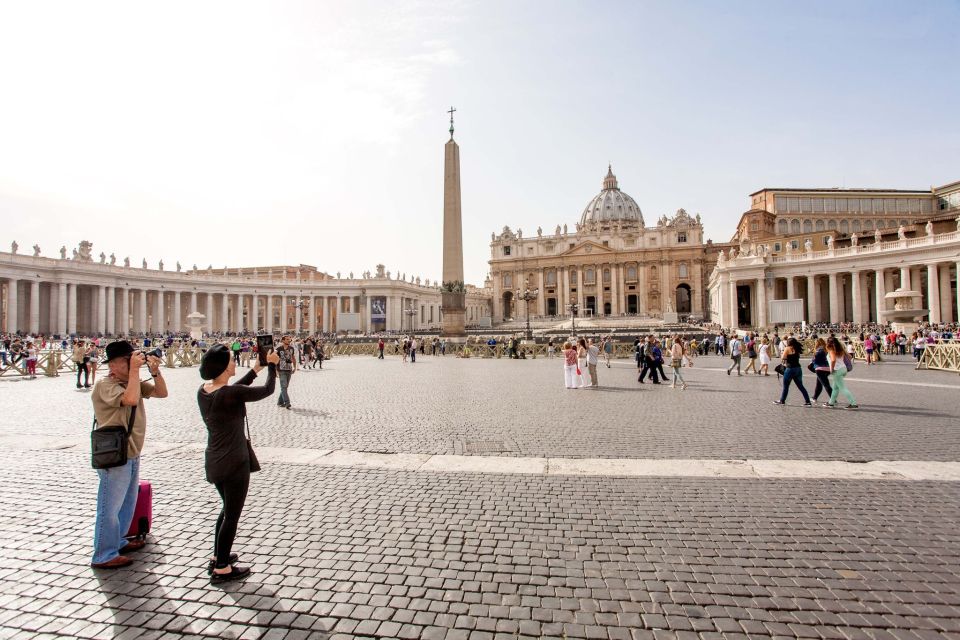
(794,374)
(284,399)
(116,502)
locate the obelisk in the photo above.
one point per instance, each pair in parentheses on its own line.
(453,292)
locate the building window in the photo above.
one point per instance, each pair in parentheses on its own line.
(682,270)
(777,246)
(530,250)
(573,244)
(606,275)
(606,243)
(832,225)
(506,251)
(589,277)
(794,244)
(794,226)
(682,236)
(844,226)
(754,226)
(632,274)
(782,227)
(573,276)
(551,277)
(507,281)
(826,240)
(820,226)
(807,226)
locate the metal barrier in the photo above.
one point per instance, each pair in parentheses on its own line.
(941,356)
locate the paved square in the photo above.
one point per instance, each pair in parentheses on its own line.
(403,547)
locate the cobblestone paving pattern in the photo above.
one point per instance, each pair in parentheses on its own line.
(345,553)
(520,408)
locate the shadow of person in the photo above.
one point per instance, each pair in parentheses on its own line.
(127,591)
(267,608)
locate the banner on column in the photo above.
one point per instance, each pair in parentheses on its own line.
(378,313)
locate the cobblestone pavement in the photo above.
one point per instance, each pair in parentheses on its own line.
(520,408)
(345,552)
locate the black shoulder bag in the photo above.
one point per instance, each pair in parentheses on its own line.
(254,463)
(108,445)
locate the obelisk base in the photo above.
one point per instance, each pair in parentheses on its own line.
(454,315)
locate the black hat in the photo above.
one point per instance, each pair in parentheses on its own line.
(119,349)
(214,361)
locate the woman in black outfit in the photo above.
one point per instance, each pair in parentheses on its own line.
(793,372)
(223,408)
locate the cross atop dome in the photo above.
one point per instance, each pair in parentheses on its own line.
(610,181)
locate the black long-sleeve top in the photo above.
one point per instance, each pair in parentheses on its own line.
(223,412)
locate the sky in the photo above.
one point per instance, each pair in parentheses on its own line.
(262,133)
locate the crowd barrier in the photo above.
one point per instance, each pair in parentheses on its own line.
(941,356)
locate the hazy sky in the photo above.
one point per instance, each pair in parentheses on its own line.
(281,132)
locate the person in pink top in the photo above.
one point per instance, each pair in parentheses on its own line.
(571,370)
(869,345)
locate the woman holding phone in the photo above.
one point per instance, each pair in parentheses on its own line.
(227,463)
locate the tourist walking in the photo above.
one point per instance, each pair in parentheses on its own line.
(550,350)
(571,371)
(118,401)
(607,350)
(649,362)
(658,358)
(840,365)
(582,360)
(792,371)
(31,361)
(869,344)
(751,348)
(227,460)
(93,360)
(677,352)
(413,350)
(236,346)
(821,368)
(735,345)
(286,367)
(80,360)
(593,359)
(380,346)
(764,353)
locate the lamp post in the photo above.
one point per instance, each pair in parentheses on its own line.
(527,295)
(300,305)
(574,308)
(410,312)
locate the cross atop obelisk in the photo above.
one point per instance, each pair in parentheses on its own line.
(453,292)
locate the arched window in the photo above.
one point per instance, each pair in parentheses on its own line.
(807,226)
(868,225)
(606,275)
(832,225)
(573,276)
(632,274)
(782,226)
(508,281)
(820,225)
(653,273)
(551,277)
(794,226)
(589,277)
(844,226)
(856,225)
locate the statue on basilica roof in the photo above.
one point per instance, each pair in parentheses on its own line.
(36,250)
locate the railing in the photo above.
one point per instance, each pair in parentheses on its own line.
(800,255)
(941,356)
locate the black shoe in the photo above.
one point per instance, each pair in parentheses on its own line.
(236,573)
(211,563)
(79,386)
(289,407)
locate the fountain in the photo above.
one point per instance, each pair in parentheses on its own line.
(195,324)
(903,317)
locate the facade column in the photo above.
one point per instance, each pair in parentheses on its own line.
(581,283)
(193,303)
(283,313)
(905,278)
(855,294)
(916,282)
(224,314)
(790,290)
(62,309)
(946,304)
(542,298)
(268,313)
(834,298)
(102,309)
(177,323)
(933,293)
(71,308)
(111,310)
(159,321)
(124,328)
(957,267)
(761,286)
(614,290)
(34,307)
(312,324)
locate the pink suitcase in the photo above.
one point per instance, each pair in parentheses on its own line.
(143,513)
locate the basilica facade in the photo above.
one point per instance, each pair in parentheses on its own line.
(610,264)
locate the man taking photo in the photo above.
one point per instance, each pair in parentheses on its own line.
(115,397)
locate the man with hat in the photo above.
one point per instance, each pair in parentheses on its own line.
(114,398)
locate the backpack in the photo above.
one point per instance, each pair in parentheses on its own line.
(848,362)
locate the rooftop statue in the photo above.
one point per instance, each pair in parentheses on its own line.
(854,239)
(63,252)
(808,245)
(14,246)
(558,226)
(901,233)
(178,266)
(36,250)
(830,242)
(144,263)
(877,236)
(539,232)
(113,258)
(929,227)
(126,261)
(160,265)
(86,251)
(103,258)
(380,270)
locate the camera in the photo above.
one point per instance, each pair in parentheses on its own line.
(156,353)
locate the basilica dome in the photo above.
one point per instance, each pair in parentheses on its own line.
(611,205)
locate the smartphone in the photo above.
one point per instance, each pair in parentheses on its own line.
(264,347)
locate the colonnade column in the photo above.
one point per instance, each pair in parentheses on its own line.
(614,290)
(176,323)
(159,313)
(946,304)
(12,307)
(124,328)
(141,323)
(312,325)
(790,290)
(933,293)
(34,324)
(542,298)
(111,310)
(283,313)
(238,314)
(224,323)
(812,299)
(855,293)
(268,310)
(834,298)
(734,307)
(761,302)
(62,309)
(905,278)
(71,308)
(102,309)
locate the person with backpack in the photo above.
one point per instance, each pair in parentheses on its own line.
(821,368)
(751,354)
(792,371)
(840,364)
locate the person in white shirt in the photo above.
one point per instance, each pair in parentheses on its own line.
(593,358)
(735,346)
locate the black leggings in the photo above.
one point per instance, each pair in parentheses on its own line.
(823,384)
(233,493)
(83,368)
